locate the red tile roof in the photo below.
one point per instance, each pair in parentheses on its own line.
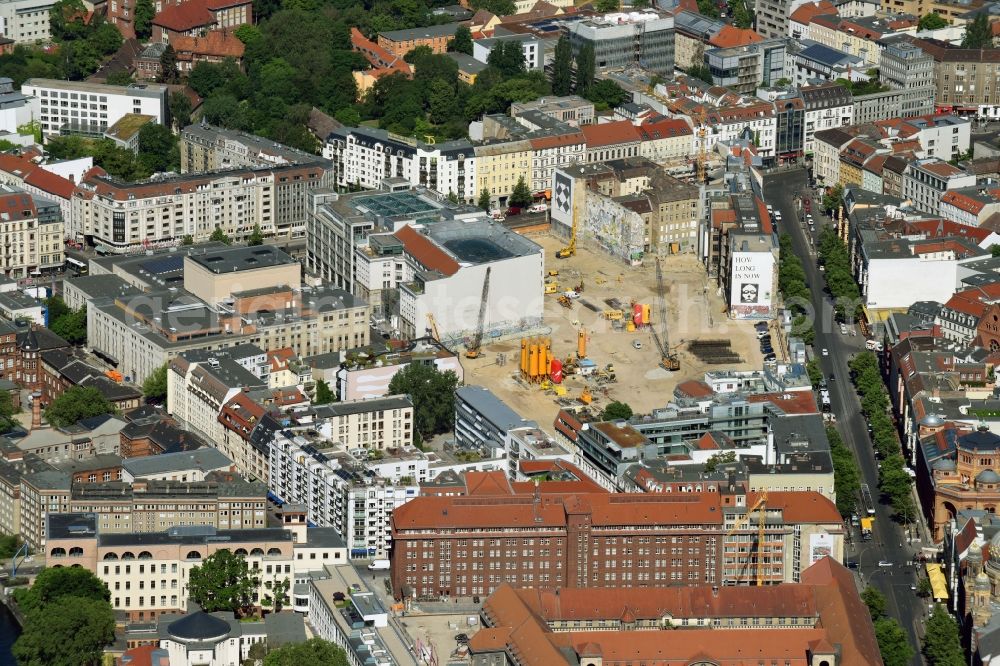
(51,183)
(810,10)
(664,128)
(427,254)
(732,36)
(192,14)
(610,134)
(217,43)
(792,402)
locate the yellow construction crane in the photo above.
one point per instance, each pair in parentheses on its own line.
(569,250)
(702,149)
(757,549)
(668,359)
(434,327)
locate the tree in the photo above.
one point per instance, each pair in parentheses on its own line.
(875,601)
(256,237)
(155,386)
(247,33)
(606,94)
(158,148)
(931,21)
(432,393)
(180,109)
(7,411)
(507,57)
(9,544)
(223,582)
(56,307)
(277,594)
(741,15)
(585,68)
(616,410)
(188,239)
(315,652)
(978,33)
(66,20)
(105,38)
(70,630)
(418,53)
(71,327)
(924,588)
(700,71)
(324,394)
(55,583)
(717,459)
(605,6)
(893,643)
(708,8)
(942,645)
(168,66)
(832,199)
(220,236)
(485,202)
(462,42)
(76,403)
(562,67)
(521,196)
(144,14)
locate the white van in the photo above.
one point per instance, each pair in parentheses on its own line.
(379,565)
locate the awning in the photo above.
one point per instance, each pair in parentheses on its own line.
(939,586)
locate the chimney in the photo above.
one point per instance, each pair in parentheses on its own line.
(36,410)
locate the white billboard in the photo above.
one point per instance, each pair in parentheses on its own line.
(820,546)
(751,284)
(562,198)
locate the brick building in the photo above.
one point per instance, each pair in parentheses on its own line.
(469,546)
(194,18)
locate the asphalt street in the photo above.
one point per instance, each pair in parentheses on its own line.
(888,542)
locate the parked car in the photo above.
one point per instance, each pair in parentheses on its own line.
(637,344)
(770,357)
(538,208)
(514,210)
(825,352)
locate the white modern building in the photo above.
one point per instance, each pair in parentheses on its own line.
(531,46)
(827,106)
(25,21)
(370,379)
(752,276)
(925,182)
(80,106)
(374,424)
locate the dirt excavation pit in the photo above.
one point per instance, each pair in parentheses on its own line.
(695,311)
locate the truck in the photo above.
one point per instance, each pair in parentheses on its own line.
(379,565)
(824,397)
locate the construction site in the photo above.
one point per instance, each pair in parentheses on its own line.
(613,332)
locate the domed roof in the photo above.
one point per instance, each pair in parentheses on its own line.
(944,464)
(988,476)
(198,626)
(931,420)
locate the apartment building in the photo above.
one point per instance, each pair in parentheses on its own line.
(205,147)
(368,157)
(80,106)
(665,139)
(628,540)
(130,216)
(621,40)
(904,66)
(826,106)
(858,36)
(925,182)
(374,424)
(746,68)
(148,574)
(570,109)
(183,466)
(193,18)
(482,420)
(401,42)
(964,79)
(500,165)
(33,232)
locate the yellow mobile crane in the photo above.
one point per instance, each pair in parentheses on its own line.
(757,553)
(668,358)
(473,350)
(434,327)
(569,250)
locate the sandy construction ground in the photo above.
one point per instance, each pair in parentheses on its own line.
(694,311)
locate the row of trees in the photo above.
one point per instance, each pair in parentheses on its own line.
(792,283)
(846,474)
(894,482)
(893,643)
(837,273)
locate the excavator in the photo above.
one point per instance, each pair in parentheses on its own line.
(474,348)
(668,358)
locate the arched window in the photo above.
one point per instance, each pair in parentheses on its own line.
(241,551)
(58,552)
(111,556)
(76,551)
(128,555)
(257,552)
(145,555)
(194,555)
(274,551)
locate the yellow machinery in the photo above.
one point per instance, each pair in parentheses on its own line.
(756,554)
(545,385)
(569,250)
(702,149)
(613,315)
(434,327)
(565,302)
(581,344)
(553,273)
(551,287)
(668,359)
(536,359)
(585,397)
(474,348)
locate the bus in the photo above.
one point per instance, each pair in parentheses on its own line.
(79,267)
(866,500)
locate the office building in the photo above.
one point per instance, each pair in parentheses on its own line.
(69,107)
(746,68)
(26,21)
(904,66)
(205,147)
(620,40)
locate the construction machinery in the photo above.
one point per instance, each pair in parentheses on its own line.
(434,327)
(565,302)
(569,250)
(586,397)
(756,553)
(551,287)
(668,358)
(473,349)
